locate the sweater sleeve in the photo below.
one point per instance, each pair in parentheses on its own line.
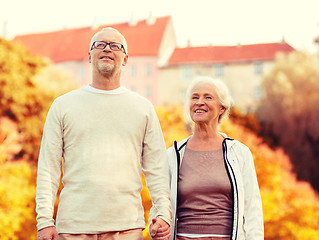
(155,168)
(49,168)
(253,213)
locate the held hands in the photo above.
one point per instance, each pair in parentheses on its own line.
(159,229)
(48,233)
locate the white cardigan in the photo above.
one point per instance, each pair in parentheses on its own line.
(247,209)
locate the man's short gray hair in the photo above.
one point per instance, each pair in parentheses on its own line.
(108,29)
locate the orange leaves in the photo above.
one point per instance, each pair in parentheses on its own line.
(291,207)
(27,89)
(289,111)
(10,140)
(17,193)
(17,68)
(147,204)
(172,123)
(24,102)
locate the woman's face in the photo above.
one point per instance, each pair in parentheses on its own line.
(204,104)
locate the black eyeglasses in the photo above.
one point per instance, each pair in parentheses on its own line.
(114,46)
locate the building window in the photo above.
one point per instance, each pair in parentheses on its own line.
(258,92)
(258,68)
(187,72)
(184,94)
(148,91)
(132,89)
(133,71)
(81,73)
(219,70)
(148,70)
(199,73)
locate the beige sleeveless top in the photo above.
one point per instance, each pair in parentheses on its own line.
(204,194)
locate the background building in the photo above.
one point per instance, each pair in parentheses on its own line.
(150,44)
(242,67)
(157,68)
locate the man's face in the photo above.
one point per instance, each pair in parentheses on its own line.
(106,61)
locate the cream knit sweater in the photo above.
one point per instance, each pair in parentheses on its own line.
(105,139)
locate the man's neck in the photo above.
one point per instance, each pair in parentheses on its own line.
(104,83)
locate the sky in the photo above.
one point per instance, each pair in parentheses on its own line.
(198,22)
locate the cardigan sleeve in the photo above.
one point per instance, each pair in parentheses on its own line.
(253,213)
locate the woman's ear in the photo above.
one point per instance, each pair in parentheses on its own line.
(222,109)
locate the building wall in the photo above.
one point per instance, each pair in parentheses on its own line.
(79,70)
(168,44)
(245,83)
(141,75)
(242,80)
(171,86)
(167,85)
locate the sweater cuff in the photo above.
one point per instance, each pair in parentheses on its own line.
(45,224)
(164,219)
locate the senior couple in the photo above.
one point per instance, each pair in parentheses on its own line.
(103,136)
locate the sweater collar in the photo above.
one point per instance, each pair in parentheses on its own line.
(114,91)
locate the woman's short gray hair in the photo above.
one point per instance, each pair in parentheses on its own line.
(225,99)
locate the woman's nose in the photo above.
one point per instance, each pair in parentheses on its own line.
(200,101)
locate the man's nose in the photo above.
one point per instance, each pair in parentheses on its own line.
(107,48)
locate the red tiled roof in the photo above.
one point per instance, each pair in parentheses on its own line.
(226,54)
(70,45)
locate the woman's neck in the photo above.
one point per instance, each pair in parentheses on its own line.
(205,138)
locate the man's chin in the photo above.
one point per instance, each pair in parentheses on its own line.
(106,70)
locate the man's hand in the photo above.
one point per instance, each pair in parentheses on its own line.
(48,233)
(159,229)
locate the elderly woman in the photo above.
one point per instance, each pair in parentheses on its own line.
(214,188)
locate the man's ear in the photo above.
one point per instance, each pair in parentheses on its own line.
(89,57)
(125,60)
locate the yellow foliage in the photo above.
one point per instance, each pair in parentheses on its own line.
(17,193)
(10,140)
(172,122)
(147,204)
(26,95)
(289,110)
(291,207)
(27,91)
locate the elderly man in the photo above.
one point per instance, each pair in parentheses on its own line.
(102,135)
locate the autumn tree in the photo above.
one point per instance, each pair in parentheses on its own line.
(289,111)
(172,120)
(16,184)
(28,85)
(27,89)
(291,207)
(19,99)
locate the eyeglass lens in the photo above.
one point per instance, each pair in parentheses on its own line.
(113,46)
